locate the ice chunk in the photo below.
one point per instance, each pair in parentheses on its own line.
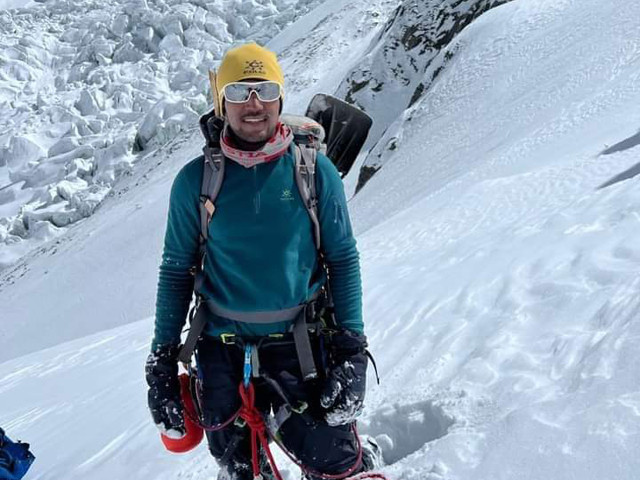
(20,151)
(184,79)
(120,24)
(127,53)
(63,145)
(172,44)
(112,159)
(88,103)
(67,188)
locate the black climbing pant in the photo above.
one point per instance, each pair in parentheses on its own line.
(317,445)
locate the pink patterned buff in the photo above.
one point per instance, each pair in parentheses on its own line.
(271,150)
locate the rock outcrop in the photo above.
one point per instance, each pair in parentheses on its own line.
(406,59)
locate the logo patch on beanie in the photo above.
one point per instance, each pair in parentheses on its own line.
(254,67)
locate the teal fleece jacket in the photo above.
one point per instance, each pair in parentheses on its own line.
(261,253)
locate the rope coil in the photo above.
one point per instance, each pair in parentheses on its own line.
(260,433)
(250,414)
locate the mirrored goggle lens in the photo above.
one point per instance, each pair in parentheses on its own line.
(241,91)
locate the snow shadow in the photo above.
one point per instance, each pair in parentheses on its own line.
(626,175)
(403,429)
(626,144)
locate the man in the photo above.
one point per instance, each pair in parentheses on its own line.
(261,260)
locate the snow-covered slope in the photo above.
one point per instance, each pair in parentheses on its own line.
(405,59)
(7,4)
(501,285)
(518,97)
(102,272)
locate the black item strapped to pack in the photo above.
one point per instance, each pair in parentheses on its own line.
(346,128)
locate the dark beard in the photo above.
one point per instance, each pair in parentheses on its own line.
(241,144)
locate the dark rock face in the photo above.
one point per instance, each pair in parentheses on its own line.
(406,58)
(365,175)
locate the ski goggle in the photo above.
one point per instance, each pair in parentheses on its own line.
(240,92)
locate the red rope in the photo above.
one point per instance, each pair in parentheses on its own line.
(212,428)
(252,416)
(254,420)
(195,399)
(369,475)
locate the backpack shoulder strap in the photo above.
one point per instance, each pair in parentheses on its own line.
(305,169)
(212,177)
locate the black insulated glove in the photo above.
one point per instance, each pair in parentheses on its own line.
(343,393)
(165,402)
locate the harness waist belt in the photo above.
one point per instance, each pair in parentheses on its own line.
(285,315)
(198,321)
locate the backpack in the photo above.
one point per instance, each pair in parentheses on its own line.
(308,141)
(346,129)
(308,137)
(15,458)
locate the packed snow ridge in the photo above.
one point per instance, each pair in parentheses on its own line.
(85,86)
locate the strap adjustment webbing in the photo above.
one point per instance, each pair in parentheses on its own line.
(305,168)
(298,314)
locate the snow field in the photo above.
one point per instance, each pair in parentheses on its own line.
(109,272)
(500,281)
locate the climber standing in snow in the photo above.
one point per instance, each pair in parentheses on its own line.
(260,264)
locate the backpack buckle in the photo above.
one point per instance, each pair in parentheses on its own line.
(228,338)
(209,207)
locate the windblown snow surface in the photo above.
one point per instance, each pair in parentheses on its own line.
(501,286)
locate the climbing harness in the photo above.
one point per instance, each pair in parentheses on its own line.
(260,433)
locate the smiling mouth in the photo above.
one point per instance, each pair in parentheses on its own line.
(254,119)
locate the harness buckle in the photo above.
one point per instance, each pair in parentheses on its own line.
(210,207)
(300,408)
(311,311)
(228,338)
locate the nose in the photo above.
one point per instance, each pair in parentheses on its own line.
(254,101)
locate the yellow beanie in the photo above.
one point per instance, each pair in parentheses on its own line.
(248,61)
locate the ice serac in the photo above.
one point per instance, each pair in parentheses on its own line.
(86,86)
(406,58)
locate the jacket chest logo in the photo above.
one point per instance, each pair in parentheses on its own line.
(287,195)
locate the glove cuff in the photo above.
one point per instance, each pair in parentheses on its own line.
(346,343)
(166,351)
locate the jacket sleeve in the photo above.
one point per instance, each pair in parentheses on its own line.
(339,247)
(175,282)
